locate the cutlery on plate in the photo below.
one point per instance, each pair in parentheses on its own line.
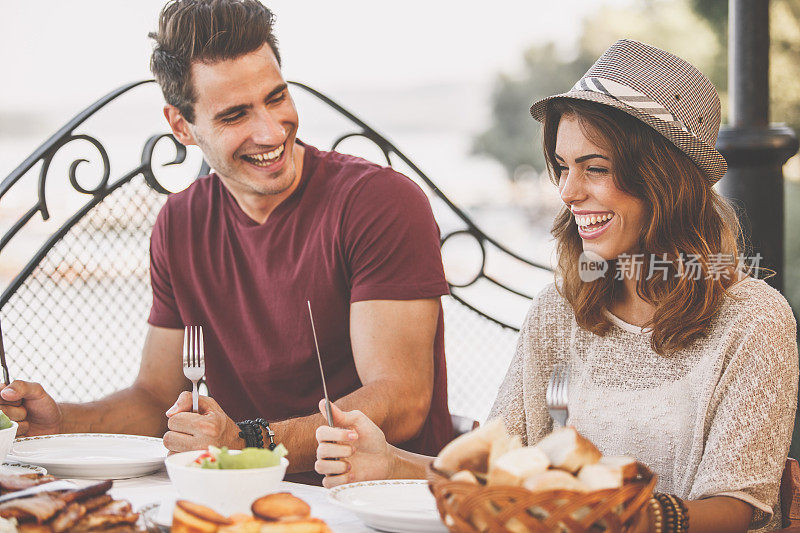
(328,414)
(556,396)
(194,358)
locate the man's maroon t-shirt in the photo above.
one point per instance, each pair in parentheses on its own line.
(351,231)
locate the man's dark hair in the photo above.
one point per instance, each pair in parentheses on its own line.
(207,31)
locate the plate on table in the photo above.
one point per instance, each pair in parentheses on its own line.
(12,468)
(395,505)
(91,455)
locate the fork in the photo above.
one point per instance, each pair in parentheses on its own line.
(556,395)
(194,358)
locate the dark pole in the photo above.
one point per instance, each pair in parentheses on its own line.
(755,149)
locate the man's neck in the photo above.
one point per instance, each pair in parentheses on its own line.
(258,207)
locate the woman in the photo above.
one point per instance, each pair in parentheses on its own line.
(677,355)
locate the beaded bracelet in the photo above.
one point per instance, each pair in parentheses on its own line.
(683,513)
(674,513)
(656,516)
(251,433)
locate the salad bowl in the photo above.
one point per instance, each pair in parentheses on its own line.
(227,491)
(7,438)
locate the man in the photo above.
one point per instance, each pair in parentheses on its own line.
(242,250)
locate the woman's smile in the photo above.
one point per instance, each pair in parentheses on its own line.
(593,224)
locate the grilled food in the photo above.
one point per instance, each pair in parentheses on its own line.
(80,510)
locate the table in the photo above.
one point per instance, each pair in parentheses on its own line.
(156,487)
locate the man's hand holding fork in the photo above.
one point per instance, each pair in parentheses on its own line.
(195,421)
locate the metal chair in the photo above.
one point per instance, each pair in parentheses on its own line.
(76,311)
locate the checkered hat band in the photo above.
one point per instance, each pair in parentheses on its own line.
(631,97)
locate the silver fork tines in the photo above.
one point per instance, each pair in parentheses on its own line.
(194,358)
(556,396)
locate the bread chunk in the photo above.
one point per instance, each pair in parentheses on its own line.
(600,477)
(569,450)
(553,480)
(628,467)
(471,450)
(513,467)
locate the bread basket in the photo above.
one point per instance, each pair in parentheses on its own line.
(469,508)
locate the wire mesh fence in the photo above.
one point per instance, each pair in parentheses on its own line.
(478,353)
(78,322)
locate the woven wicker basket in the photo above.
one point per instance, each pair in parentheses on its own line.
(469,508)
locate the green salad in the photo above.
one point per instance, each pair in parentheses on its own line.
(5,422)
(221,459)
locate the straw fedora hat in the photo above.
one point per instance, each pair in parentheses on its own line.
(663,91)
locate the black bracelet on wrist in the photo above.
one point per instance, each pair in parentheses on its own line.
(252,434)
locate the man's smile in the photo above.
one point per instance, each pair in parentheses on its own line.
(264,159)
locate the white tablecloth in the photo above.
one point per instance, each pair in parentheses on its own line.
(156,487)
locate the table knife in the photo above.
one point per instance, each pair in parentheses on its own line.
(328,414)
(6,379)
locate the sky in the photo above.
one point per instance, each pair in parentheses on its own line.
(410,69)
(56,52)
(419,71)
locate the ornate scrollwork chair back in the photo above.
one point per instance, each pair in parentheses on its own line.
(74,311)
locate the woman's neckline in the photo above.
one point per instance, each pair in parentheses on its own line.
(632,328)
(627,326)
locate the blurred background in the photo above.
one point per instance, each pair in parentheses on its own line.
(450,83)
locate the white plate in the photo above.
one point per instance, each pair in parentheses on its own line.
(91,455)
(395,505)
(14,468)
(20,468)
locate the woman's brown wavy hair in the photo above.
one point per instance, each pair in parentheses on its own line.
(689,219)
